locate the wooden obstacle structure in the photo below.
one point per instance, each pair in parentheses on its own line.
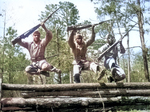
(68,95)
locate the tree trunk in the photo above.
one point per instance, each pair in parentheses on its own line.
(71,77)
(129,67)
(144,50)
(71,72)
(58,52)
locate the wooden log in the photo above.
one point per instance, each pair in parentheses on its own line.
(49,103)
(16,109)
(103,93)
(65,87)
(55,102)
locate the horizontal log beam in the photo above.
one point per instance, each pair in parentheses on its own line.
(39,103)
(55,102)
(103,93)
(16,108)
(65,87)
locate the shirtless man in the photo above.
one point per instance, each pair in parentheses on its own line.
(79,49)
(36,49)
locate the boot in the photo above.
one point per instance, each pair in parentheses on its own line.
(101,75)
(113,71)
(56,70)
(94,67)
(110,79)
(77,78)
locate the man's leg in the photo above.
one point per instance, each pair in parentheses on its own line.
(45,66)
(35,69)
(102,73)
(31,70)
(94,67)
(109,64)
(118,73)
(45,73)
(54,69)
(76,73)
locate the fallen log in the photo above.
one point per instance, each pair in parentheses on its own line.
(103,93)
(65,87)
(55,102)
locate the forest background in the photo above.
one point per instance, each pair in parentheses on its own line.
(125,14)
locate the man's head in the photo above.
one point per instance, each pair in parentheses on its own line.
(79,39)
(110,39)
(36,36)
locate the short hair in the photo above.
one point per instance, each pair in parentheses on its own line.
(78,36)
(36,32)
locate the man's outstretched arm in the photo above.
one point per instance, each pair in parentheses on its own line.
(48,34)
(71,39)
(122,49)
(92,39)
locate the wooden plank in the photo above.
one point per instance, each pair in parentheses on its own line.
(89,93)
(16,108)
(58,102)
(55,102)
(65,87)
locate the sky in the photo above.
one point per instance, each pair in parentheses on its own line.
(22,15)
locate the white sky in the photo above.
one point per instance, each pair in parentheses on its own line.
(23,15)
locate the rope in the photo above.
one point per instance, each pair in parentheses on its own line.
(101,100)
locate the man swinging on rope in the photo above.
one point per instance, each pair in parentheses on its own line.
(79,49)
(110,63)
(36,49)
